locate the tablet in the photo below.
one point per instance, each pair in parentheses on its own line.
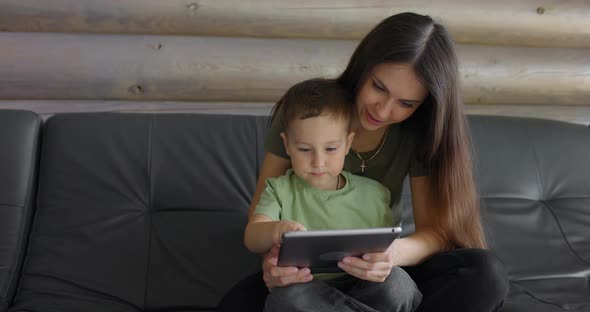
(321,250)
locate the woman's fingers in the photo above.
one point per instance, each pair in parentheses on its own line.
(275,276)
(276,271)
(366,263)
(378,257)
(274,251)
(367,270)
(285,276)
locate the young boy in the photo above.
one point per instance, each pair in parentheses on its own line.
(316,194)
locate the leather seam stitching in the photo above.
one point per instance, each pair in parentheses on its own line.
(149,210)
(552,212)
(523,289)
(33,180)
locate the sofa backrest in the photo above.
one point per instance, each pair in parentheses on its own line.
(146,212)
(534,179)
(19,144)
(141,211)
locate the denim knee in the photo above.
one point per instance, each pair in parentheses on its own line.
(400,286)
(286,298)
(397,293)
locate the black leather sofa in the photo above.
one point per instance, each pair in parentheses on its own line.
(145,212)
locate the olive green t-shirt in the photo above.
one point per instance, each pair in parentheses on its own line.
(361,203)
(397,159)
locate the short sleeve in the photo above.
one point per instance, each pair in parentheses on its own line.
(274,143)
(269,203)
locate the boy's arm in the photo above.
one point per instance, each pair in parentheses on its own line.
(259,234)
(262,232)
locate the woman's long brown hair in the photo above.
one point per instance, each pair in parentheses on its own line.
(409,38)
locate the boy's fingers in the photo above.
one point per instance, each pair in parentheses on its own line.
(301,227)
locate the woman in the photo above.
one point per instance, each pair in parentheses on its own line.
(410,120)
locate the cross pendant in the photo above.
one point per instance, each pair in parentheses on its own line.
(363,167)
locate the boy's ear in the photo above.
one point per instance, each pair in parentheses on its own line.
(284,137)
(349,141)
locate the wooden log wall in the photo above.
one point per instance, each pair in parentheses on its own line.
(524,58)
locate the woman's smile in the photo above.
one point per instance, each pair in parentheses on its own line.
(372,120)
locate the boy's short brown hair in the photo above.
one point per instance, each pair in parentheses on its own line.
(312,98)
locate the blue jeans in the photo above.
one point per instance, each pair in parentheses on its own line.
(346,294)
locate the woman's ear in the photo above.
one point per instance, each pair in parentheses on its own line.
(285,142)
(349,139)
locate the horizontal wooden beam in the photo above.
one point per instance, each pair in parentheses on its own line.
(51,107)
(574,114)
(551,23)
(169,68)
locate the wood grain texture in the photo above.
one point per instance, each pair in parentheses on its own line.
(551,23)
(116,67)
(169,68)
(68,106)
(574,114)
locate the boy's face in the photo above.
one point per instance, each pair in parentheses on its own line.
(317,147)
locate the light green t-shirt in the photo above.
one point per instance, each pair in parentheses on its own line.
(361,203)
(397,159)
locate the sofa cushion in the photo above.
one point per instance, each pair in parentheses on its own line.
(535,197)
(19,143)
(533,177)
(141,212)
(146,212)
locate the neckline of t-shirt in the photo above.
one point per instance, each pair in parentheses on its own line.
(393,128)
(310,188)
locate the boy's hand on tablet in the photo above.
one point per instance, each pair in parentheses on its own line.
(275,276)
(285,226)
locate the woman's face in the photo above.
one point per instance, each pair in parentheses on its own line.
(390,94)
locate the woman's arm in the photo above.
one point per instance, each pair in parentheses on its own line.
(425,241)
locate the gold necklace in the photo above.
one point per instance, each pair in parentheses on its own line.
(376,153)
